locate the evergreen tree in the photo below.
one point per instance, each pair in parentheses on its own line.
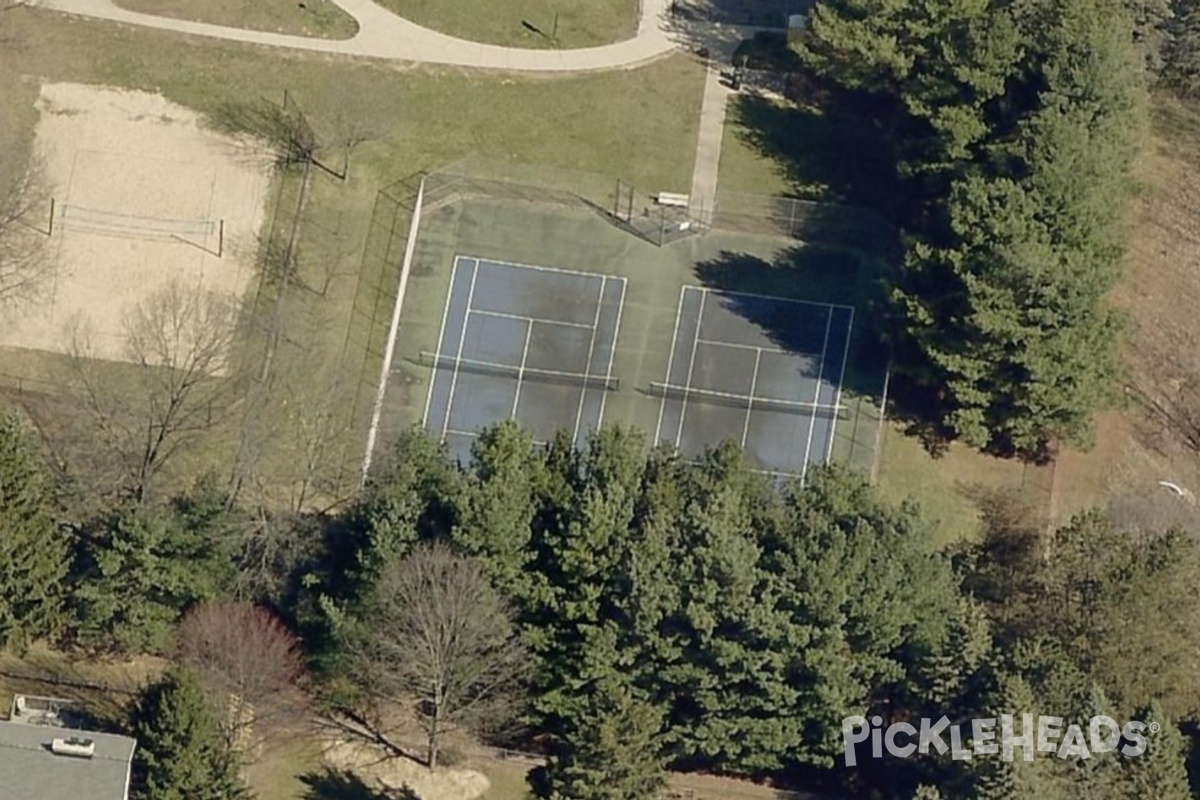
(181,754)
(1182,53)
(611,749)
(1016,127)
(583,551)
(946,676)
(410,497)
(138,569)
(497,507)
(1161,771)
(33,547)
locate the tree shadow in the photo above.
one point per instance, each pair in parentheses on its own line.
(825,150)
(756,13)
(337,784)
(827,274)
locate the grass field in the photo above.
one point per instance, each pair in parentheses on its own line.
(320,18)
(408,120)
(582,23)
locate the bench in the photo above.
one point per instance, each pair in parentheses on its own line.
(671,199)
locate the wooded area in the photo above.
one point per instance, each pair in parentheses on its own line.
(625,611)
(1012,129)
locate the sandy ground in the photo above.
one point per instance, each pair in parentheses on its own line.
(398,773)
(140,190)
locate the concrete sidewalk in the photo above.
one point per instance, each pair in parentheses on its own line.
(384,35)
(703,199)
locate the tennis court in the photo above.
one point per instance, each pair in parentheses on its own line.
(764,371)
(529,343)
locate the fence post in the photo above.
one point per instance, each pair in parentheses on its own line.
(221,238)
(50,226)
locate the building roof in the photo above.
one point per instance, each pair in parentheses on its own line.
(29,771)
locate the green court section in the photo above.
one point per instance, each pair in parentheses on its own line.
(507,230)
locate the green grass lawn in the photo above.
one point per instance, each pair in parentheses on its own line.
(952,487)
(320,18)
(801,150)
(581,23)
(279,773)
(627,123)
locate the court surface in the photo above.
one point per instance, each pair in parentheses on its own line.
(533,344)
(762,371)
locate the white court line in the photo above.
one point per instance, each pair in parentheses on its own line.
(587,365)
(750,406)
(519,265)
(534,266)
(521,369)
(781,299)
(662,407)
(522,318)
(772,350)
(458,358)
(612,352)
(837,397)
(687,387)
(812,420)
(441,334)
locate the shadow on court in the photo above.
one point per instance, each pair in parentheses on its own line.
(818,274)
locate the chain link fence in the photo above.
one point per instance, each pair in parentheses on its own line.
(620,202)
(806,220)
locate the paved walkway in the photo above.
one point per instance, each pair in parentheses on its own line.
(382,34)
(703,198)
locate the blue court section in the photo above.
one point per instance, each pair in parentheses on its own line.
(546,328)
(741,346)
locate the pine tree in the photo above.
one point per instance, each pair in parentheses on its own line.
(181,754)
(1182,68)
(497,506)
(612,749)
(1016,125)
(1161,771)
(33,548)
(410,497)
(137,571)
(583,550)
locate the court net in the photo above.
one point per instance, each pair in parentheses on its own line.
(132,225)
(746,403)
(605,382)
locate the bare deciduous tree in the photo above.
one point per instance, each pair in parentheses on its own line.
(250,665)
(438,638)
(25,263)
(179,339)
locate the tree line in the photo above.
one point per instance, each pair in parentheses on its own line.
(1012,129)
(619,609)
